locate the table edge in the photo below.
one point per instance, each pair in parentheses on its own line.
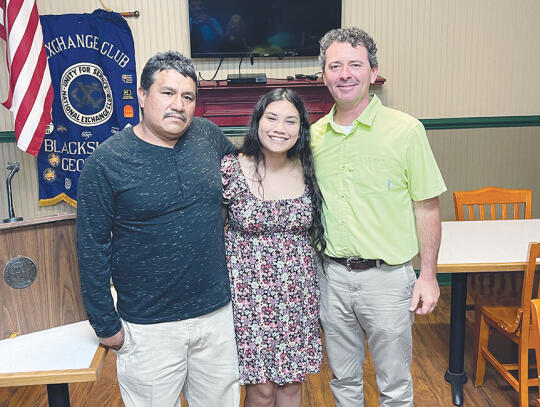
(479,267)
(89,374)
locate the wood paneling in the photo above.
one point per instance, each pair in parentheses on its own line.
(54,298)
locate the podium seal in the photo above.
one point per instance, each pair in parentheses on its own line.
(20,272)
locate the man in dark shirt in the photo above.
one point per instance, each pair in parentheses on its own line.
(149,217)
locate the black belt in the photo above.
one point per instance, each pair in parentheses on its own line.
(356,263)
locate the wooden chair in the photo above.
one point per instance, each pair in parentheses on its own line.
(492,197)
(535,311)
(514,322)
(500,203)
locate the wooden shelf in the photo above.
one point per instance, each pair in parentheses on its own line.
(231,105)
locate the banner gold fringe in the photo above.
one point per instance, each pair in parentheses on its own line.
(58,198)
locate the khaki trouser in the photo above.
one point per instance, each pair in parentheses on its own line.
(195,356)
(370,304)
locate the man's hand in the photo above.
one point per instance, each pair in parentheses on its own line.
(114,342)
(425,295)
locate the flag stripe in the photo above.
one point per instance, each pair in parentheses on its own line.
(30,95)
(26,71)
(26,51)
(32,122)
(30,91)
(44,120)
(2,24)
(18,15)
(3,35)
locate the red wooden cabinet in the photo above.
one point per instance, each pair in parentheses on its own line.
(231,105)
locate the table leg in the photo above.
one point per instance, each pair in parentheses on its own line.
(455,374)
(58,395)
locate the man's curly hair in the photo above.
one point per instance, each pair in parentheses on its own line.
(352,35)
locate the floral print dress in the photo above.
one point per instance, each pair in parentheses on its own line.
(274,290)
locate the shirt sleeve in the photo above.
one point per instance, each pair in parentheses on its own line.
(95,202)
(228,179)
(424,177)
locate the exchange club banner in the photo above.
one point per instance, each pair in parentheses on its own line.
(92,63)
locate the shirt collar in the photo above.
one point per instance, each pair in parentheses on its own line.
(366,117)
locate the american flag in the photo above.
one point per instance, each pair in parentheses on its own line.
(30,89)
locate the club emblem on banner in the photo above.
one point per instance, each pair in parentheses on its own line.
(49,175)
(54,159)
(86,96)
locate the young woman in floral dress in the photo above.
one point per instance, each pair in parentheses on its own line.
(274,232)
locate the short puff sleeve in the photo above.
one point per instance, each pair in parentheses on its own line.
(231,174)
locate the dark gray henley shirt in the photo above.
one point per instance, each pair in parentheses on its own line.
(150,217)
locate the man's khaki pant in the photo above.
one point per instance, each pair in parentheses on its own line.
(370,304)
(195,356)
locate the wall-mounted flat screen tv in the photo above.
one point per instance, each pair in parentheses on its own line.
(230,28)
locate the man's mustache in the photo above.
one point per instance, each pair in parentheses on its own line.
(178,115)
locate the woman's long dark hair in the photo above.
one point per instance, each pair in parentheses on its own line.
(301,150)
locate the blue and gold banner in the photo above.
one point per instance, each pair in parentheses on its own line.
(92,62)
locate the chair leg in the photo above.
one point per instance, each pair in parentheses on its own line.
(538,368)
(534,327)
(481,339)
(537,353)
(523,373)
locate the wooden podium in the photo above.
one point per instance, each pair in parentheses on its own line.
(40,289)
(52,296)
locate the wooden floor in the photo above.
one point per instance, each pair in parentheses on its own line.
(429,364)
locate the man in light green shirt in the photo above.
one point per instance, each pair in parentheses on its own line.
(380,184)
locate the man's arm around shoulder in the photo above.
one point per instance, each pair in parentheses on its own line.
(222,142)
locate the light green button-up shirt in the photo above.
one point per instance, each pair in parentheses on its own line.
(369,180)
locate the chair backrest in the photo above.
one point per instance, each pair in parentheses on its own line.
(524,312)
(528,281)
(492,196)
(535,313)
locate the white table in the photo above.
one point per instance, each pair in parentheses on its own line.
(478,246)
(55,357)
